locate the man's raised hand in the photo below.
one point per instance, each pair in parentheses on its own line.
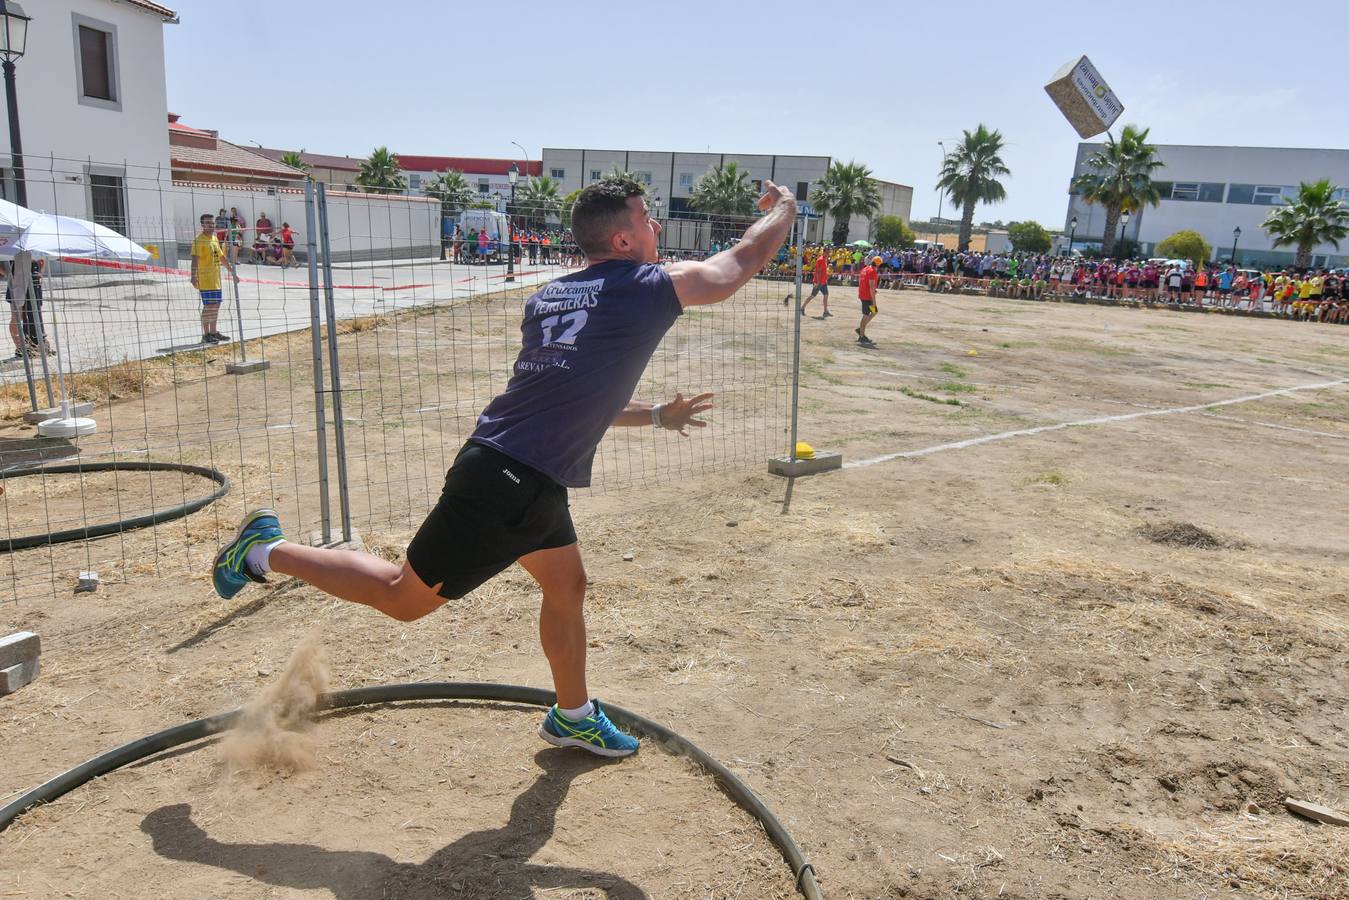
(678,414)
(772,195)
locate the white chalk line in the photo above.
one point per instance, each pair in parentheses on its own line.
(1099,420)
(1250,423)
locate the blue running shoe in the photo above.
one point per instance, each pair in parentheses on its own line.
(594,733)
(231,571)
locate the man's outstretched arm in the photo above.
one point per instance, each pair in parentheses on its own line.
(677,415)
(720,276)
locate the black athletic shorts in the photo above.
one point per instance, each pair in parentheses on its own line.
(492,511)
(868,307)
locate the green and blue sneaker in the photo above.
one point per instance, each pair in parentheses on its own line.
(231,571)
(594,733)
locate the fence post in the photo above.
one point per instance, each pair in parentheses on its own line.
(315,326)
(335,365)
(798,235)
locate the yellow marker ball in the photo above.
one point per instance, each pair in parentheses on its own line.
(973,353)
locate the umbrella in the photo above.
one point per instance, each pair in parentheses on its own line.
(65,236)
(52,235)
(13,219)
(861,245)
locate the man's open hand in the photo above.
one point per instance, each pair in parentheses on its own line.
(678,414)
(773,195)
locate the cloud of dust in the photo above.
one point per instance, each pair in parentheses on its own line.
(272,732)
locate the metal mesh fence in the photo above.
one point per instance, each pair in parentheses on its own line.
(353,424)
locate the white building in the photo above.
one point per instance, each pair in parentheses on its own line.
(1214,191)
(671,176)
(92,108)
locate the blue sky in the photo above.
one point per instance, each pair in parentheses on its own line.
(880,83)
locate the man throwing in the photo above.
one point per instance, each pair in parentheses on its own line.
(586,339)
(207,258)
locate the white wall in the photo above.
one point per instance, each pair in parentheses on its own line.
(360,226)
(60,133)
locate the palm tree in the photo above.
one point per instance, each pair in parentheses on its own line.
(846,190)
(1120,179)
(969,174)
(724,190)
(1314,217)
(293,159)
(539,198)
(451,189)
(380,172)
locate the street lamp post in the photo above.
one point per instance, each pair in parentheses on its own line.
(1072,234)
(13,43)
(513,175)
(655,205)
(1236,236)
(1123,224)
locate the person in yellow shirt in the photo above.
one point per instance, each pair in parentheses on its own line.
(207,258)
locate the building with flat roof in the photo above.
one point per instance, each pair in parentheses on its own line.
(488,177)
(1216,190)
(671,176)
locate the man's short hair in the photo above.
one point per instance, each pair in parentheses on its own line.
(205,216)
(602,209)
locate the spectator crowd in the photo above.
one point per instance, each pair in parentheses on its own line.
(1311,294)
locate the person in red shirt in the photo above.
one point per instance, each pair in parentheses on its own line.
(820,284)
(866,292)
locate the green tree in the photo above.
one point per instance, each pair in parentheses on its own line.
(970,175)
(381,172)
(293,159)
(892,232)
(846,190)
(1186,244)
(1120,179)
(1313,217)
(724,190)
(1029,237)
(567,203)
(538,198)
(451,189)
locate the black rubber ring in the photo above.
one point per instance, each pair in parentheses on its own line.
(667,740)
(9,545)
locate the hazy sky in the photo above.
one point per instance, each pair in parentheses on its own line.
(880,82)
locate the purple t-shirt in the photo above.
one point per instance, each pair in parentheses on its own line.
(586,339)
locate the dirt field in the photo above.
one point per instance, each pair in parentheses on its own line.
(1075,662)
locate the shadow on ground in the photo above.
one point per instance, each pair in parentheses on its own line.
(493,862)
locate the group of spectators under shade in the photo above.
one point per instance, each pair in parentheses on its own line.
(550,248)
(1319,294)
(270,245)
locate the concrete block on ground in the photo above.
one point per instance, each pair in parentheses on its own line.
(795,468)
(247,368)
(77,410)
(18,660)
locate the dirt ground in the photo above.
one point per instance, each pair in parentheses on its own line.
(1086,661)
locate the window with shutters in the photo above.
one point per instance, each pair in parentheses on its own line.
(96,73)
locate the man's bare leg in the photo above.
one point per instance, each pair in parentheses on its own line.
(562,628)
(360,578)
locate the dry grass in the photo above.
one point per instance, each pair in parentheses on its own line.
(1183,534)
(1273,854)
